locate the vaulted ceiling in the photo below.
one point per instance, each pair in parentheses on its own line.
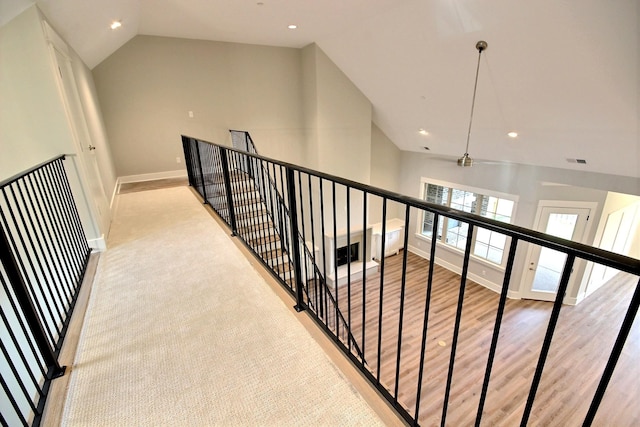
(563,74)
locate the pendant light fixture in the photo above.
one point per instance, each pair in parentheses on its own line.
(465,160)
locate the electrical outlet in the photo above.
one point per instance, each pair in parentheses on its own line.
(191,114)
(178,159)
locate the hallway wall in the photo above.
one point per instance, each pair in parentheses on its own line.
(147,88)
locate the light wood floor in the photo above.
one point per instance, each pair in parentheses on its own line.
(579,350)
(132,187)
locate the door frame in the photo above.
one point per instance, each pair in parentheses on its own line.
(578,268)
(100,217)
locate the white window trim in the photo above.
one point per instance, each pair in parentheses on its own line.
(476,190)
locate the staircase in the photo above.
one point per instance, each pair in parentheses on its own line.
(253,220)
(260,217)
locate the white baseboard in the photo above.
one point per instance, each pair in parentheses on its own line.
(182,173)
(99,244)
(572,300)
(114,198)
(458,270)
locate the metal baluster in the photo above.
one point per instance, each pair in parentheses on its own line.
(324,253)
(381,298)
(227,187)
(456,329)
(293,216)
(427,305)
(364,273)
(496,329)
(348,326)
(22,296)
(546,345)
(402,294)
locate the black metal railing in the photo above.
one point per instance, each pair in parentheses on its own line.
(392,315)
(260,216)
(44,255)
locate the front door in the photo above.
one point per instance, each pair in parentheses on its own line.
(544,265)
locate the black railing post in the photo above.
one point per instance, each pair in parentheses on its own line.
(293,218)
(204,186)
(227,187)
(186,148)
(22,296)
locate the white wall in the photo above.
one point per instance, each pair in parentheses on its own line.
(339,140)
(148,86)
(33,124)
(618,231)
(386,161)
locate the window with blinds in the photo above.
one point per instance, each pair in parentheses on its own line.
(486,244)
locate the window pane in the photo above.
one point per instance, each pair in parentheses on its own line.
(498,240)
(483,235)
(481,250)
(463,200)
(427,224)
(495,255)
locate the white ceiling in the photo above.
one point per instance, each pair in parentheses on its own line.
(565,74)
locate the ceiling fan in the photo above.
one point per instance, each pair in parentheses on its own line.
(466,160)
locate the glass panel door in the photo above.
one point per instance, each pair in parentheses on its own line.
(545,265)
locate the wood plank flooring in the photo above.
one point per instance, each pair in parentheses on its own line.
(579,351)
(132,187)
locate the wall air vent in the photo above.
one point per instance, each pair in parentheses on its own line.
(579,161)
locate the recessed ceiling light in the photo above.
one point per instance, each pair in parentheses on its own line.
(423,132)
(292,27)
(115,25)
(512,134)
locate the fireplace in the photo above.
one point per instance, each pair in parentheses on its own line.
(344,259)
(347,254)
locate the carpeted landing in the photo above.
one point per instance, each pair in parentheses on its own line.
(182,331)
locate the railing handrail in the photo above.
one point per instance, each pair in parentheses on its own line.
(281,201)
(581,250)
(43,258)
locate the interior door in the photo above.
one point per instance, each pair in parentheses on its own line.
(544,265)
(87,162)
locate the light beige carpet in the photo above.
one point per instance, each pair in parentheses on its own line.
(181,331)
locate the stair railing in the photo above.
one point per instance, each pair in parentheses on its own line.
(320,296)
(376,304)
(43,259)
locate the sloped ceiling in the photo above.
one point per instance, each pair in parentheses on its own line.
(563,74)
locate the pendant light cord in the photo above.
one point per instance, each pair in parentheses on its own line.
(473,101)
